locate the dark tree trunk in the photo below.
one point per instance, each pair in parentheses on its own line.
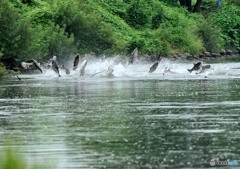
(186,3)
(182,3)
(197,6)
(189,5)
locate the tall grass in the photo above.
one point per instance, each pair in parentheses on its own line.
(12,158)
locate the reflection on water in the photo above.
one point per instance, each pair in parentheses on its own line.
(122,123)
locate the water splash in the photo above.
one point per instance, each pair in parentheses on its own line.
(178,70)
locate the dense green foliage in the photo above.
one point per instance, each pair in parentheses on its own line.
(40,29)
(14,32)
(228,19)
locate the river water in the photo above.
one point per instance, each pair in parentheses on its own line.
(134,120)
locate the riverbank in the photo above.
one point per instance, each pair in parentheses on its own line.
(222,56)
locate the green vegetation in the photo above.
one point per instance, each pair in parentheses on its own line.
(2,71)
(13,159)
(40,29)
(228,20)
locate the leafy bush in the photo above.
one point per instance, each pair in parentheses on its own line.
(171,2)
(235,2)
(158,18)
(42,28)
(228,19)
(49,41)
(172,30)
(14,32)
(60,44)
(137,14)
(116,7)
(90,34)
(179,31)
(210,35)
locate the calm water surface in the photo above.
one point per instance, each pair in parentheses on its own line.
(125,122)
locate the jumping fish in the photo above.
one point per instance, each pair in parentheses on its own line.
(55,67)
(83,67)
(196,66)
(199,67)
(133,56)
(109,72)
(31,64)
(75,63)
(154,67)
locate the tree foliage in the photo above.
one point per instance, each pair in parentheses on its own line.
(228,20)
(137,14)
(14,32)
(42,28)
